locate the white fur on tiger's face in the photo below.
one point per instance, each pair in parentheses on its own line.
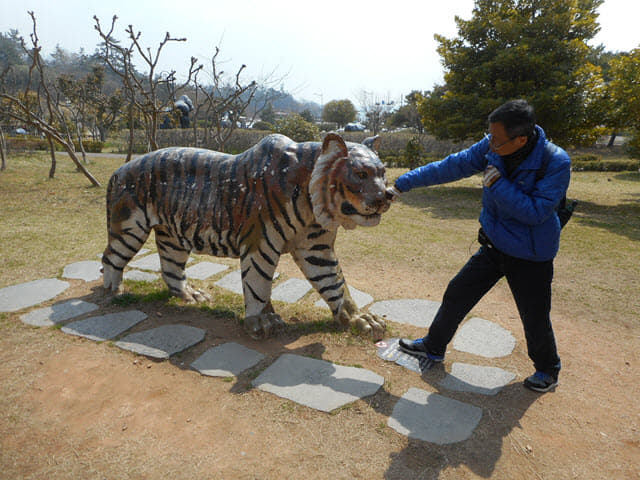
(277,197)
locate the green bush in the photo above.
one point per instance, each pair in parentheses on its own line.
(27,144)
(297,129)
(262,125)
(608,166)
(586,157)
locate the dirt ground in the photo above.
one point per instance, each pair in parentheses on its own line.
(72,408)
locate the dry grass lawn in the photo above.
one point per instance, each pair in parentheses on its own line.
(71,408)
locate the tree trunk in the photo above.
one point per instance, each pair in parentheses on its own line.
(3,152)
(131,136)
(84,154)
(52,152)
(612,139)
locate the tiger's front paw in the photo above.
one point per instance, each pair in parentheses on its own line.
(263,325)
(365,323)
(191,295)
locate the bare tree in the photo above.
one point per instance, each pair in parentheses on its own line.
(375,110)
(225,103)
(45,113)
(141,90)
(3,151)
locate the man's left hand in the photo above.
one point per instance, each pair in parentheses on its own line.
(491,176)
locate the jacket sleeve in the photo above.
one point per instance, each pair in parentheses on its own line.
(454,167)
(536,207)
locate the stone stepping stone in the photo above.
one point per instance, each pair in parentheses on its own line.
(362,299)
(162,342)
(484,338)
(291,291)
(17,297)
(140,276)
(150,262)
(227,360)
(476,379)
(233,281)
(413,312)
(434,418)
(317,383)
(58,313)
(105,327)
(204,270)
(88,271)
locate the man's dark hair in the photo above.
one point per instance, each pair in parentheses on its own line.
(517,116)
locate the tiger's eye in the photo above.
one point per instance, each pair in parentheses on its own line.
(362,175)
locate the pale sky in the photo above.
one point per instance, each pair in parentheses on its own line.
(322,50)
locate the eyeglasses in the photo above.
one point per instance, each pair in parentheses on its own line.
(487,135)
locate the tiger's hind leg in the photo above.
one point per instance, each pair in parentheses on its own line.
(127,234)
(173,261)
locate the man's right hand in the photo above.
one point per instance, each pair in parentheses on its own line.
(392,193)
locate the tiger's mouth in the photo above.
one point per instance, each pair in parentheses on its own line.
(348,209)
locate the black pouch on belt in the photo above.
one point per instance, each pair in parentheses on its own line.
(483,239)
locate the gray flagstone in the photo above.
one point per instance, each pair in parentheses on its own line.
(291,290)
(229,359)
(162,342)
(476,379)
(87,270)
(484,338)
(204,270)
(414,312)
(140,276)
(17,297)
(105,327)
(434,418)
(58,313)
(317,383)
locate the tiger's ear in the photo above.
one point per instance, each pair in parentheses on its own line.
(334,145)
(373,143)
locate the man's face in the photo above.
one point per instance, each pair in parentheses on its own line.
(501,143)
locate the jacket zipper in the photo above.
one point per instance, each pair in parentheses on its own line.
(533,244)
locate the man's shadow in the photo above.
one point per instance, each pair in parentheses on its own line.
(501,414)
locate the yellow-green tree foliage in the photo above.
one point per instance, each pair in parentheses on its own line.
(339,111)
(532,49)
(624,90)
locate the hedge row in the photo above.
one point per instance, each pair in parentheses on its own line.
(27,144)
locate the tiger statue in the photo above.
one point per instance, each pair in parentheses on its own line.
(277,197)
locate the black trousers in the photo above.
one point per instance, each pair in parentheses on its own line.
(530,284)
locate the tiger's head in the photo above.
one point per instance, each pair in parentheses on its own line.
(348,184)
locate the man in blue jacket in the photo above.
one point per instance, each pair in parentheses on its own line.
(519,234)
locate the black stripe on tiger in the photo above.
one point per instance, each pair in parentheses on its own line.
(121,240)
(272,216)
(255,295)
(331,287)
(266,257)
(314,235)
(106,260)
(265,235)
(294,200)
(321,262)
(260,270)
(321,247)
(319,278)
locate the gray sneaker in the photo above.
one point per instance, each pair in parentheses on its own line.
(541,382)
(418,348)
